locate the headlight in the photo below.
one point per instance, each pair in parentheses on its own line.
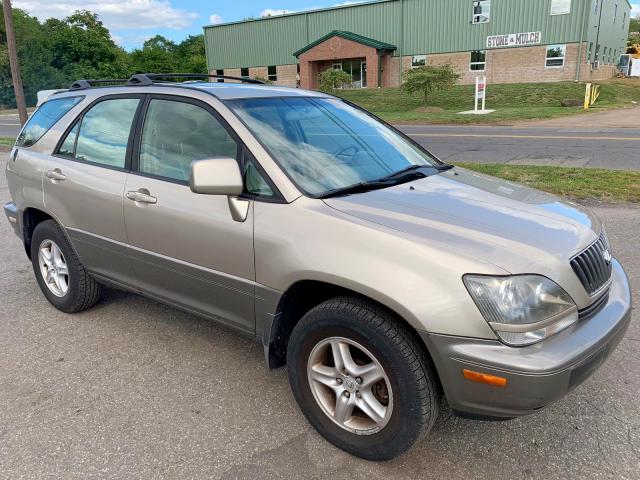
(522,309)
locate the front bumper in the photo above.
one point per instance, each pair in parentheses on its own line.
(536,375)
(11,211)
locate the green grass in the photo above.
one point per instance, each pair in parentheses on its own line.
(513,102)
(611,186)
(7,141)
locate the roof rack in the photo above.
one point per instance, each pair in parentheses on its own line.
(84,84)
(141,79)
(150,78)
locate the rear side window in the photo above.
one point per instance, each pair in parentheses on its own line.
(102,134)
(175,134)
(44,118)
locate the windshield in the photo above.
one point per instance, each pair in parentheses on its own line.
(324,144)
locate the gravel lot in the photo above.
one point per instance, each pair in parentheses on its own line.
(134,389)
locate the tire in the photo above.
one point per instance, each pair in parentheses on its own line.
(407,394)
(70,293)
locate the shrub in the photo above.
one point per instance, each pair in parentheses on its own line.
(428,79)
(331,79)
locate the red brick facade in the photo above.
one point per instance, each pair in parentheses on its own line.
(505,65)
(321,57)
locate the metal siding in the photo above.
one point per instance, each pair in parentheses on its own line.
(612,35)
(415,26)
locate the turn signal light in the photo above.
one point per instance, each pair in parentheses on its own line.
(484,378)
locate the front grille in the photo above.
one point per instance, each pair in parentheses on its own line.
(594,308)
(593,265)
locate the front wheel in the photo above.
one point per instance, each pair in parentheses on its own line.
(361,378)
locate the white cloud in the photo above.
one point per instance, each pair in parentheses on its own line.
(214,19)
(270,12)
(116,14)
(635,9)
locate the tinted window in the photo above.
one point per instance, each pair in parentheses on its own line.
(175,134)
(44,118)
(69,144)
(324,144)
(104,132)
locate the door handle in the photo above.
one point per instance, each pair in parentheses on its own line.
(141,196)
(56,175)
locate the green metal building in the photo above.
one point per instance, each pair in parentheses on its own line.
(505,40)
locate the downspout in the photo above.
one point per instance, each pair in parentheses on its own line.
(401,46)
(379,68)
(585,20)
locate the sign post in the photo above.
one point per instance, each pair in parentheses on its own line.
(481,89)
(480,98)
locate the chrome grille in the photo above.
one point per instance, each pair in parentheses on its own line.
(593,265)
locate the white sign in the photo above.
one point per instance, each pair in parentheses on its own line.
(635,67)
(481,89)
(514,40)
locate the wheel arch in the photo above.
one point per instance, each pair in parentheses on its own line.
(301,297)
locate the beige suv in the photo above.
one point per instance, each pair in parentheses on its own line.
(383,278)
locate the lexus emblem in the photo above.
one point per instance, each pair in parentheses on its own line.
(606,254)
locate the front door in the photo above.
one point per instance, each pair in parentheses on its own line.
(84,183)
(186,248)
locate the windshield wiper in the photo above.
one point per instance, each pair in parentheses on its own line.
(417,169)
(358,188)
(402,176)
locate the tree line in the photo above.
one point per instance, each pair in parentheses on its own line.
(56,52)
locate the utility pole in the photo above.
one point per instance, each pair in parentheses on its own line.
(13,61)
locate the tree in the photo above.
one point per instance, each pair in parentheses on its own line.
(428,79)
(634,31)
(332,79)
(157,55)
(191,56)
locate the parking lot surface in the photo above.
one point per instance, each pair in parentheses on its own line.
(135,389)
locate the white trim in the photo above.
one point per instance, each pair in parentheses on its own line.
(560,13)
(563,57)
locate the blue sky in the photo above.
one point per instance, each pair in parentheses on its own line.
(133,21)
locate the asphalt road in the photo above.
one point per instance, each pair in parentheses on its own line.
(9,126)
(615,148)
(135,389)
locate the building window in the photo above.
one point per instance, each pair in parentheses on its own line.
(418,61)
(244,72)
(624,19)
(337,66)
(478,60)
(615,13)
(220,72)
(481,11)
(560,7)
(272,73)
(555,56)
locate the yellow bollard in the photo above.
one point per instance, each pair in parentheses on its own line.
(587,97)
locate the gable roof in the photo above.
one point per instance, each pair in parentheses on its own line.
(370,42)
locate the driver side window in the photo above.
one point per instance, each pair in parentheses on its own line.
(176,133)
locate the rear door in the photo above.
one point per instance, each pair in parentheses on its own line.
(84,183)
(185,247)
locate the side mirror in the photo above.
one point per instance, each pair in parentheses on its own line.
(216,176)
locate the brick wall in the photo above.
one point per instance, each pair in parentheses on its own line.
(336,48)
(513,65)
(507,65)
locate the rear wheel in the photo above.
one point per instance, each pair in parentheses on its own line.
(60,275)
(361,378)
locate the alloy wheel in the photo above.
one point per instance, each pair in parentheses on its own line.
(350,385)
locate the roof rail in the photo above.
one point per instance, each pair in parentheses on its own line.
(150,78)
(84,84)
(142,79)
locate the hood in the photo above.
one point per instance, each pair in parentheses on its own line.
(516,228)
